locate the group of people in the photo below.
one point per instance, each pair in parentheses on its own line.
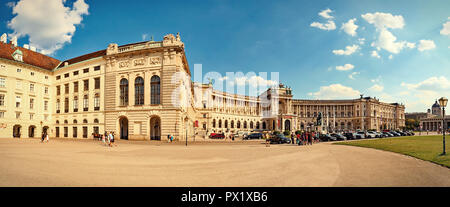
(108,139)
(170,138)
(303,138)
(45,137)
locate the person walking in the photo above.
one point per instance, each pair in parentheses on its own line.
(310,138)
(111,139)
(168,138)
(42,137)
(292,138)
(47,138)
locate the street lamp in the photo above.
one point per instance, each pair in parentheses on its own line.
(443,102)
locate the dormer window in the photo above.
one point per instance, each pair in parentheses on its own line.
(17,55)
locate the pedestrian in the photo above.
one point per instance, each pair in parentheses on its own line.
(310,138)
(168,138)
(171,138)
(42,137)
(47,138)
(111,139)
(292,138)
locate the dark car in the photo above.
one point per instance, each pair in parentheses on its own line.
(339,136)
(254,136)
(279,139)
(326,138)
(395,134)
(388,134)
(349,135)
(216,136)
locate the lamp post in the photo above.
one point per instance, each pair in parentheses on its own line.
(443,102)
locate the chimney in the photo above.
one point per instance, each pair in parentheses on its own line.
(4,38)
(14,41)
(26,46)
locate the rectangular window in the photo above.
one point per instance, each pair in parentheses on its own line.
(66,131)
(85,103)
(57,106)
(66,75)
(46,90)
(31,87)
(18,100)
(75,72)
(75,104)
(58,77)
(19,70)
(97,102)
(45,105)
(66,88)
(31,103)
(32,73)
(57,131)
(46,77)
(75,134)
(58,90)
(66,105)
(75,87)
(86,70)
(97,83)
(17,115)
(86,85)
(2,99)
(96,68)
(2,82)
(85,132)
(96,130)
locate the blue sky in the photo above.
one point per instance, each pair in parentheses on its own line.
(266,36)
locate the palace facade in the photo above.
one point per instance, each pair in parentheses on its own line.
(144,91)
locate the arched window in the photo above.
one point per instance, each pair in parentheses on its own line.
(226,123)
(245,124)
(139,91)
(155,89)
(123,92)
(232,124)
(85,121)
(264,125)
(96,121)
(220,123)
(214,123)
(57,122)
(238,125)
(251,125)
(75,121)
(257,125)
(66,122)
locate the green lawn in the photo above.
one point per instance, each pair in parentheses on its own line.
(423,147)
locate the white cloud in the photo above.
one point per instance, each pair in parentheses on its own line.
(330,25)
(386,40)
(446,28)
(350,27)
(376,88)
(352,75)
(426,45)
(375,54)
(384,20)
(431,84)
(326,14)
(348,50)
(345,67)
(327,26)
(46,33)
(255,81)
(335,91)
(11,4)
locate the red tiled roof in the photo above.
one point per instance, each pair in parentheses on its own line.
(84,57)
(29,57)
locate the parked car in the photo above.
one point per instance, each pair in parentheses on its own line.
(326,138)
(349,135)
(254,136)
(360,135)
(279,139)
(395,134)
(339,137)
(371,134)
(387,134)
(216,136)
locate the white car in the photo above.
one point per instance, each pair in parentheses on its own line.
(371,135)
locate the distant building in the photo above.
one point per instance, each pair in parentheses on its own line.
(433,121)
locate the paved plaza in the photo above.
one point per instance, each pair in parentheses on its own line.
(69,162)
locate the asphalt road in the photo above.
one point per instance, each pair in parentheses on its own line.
(27,162)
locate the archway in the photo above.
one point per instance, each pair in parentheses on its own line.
(31,131)
(287,125)
(155,128)
(16,131)
(123,125)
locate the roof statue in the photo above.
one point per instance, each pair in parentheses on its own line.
(113,48)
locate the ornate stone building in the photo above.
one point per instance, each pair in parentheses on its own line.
(434,121)
(144,91)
